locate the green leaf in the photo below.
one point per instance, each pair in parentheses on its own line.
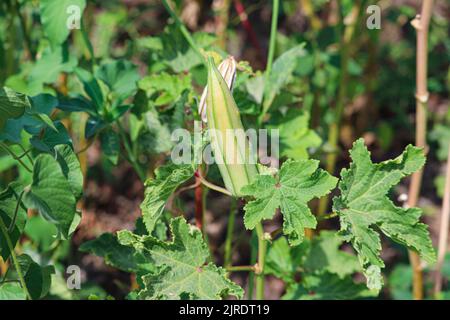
(364,209)
(33,120)
(296,138)
(284,261)
(55,16)
(110,145)
(12,105)
(51,194)
(290,190)
(183,272)
(91,87)
(281,73)
(12,291)
(41,232)
(327,286)
(50,65)
(117,255)
(37,278)
(77,104)
(51,138)
(325,255)
(120,76)
(175,50)
(165,88)
(400,282)
(71,168)
(158,191)
(157,137)
(8,204)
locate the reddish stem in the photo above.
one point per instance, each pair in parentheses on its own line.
(240,9)
(198,194)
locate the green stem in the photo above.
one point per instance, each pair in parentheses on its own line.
(327,217)
(26,153)
(273,37)
(270,56)
(13,221)
(184,31)
(253,259)
(130,153)
(14,258)
(230,229)
(214,187)
(262,246)
(15,157)
(88,44)
(240,268)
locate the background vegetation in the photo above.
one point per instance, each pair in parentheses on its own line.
(116,88)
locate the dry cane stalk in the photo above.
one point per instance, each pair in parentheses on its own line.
(420,23)
(443,232)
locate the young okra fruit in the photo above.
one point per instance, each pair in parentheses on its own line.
(233,152)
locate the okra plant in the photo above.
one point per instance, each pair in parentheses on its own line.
(204,135)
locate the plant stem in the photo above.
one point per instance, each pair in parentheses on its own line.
(130,153)
(443,232)
(13,221)
(26,153)
(273,36)
(420,23)
(243,17)
(270,56)
(240,268)
(261,262)
(184,31)
(253,259)
(214,187)
(198,203)
(333,133)
(88,44)
(230,229)
(15,157)
(14,257)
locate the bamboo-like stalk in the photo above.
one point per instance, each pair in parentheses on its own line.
(420,23)
(443,232)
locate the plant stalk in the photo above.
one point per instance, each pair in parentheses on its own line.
(262,246)
(198,202)
(15,157)
(130,153)
(271,54)
(184,31)
(240,268)
(230,229)
(443,232)
(214,187)
(420,23)
(14,258)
